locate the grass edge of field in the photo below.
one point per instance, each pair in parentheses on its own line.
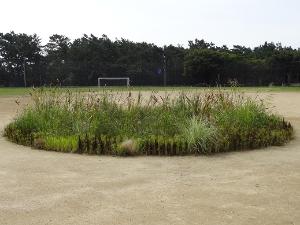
(19,91)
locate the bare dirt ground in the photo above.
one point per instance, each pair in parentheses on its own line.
(253,187)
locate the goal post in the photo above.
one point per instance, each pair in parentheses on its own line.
(101,80)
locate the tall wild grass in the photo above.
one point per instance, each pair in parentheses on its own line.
(133,123)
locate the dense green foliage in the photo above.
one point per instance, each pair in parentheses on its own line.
(80,62)
(131,124)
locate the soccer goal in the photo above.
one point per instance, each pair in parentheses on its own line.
(113,81)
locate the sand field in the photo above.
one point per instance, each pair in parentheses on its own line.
(239,188)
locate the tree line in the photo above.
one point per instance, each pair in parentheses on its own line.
(81,61)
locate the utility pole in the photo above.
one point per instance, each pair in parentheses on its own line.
(165,68)
(24,73)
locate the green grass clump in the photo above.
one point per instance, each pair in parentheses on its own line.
(127,123)
(201,136)
(61,144)
(249,126)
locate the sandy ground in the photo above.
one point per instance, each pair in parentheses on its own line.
(254,187)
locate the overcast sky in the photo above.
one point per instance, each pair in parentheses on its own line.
(244,22)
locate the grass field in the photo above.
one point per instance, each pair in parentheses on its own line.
(16,91)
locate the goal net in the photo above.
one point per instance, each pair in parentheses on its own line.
(113,81)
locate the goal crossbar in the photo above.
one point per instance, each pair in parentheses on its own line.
(114,78)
